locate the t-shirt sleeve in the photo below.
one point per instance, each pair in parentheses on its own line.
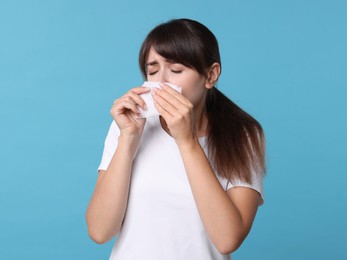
(110,146)
(257,184)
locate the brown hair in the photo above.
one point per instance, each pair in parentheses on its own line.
(236,140)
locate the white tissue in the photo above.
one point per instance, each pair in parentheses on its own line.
(148,98)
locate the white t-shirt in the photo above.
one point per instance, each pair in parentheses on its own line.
(162,220)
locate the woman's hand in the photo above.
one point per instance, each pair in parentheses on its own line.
(126,114)
(177,112)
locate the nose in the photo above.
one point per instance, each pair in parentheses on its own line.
(162,76)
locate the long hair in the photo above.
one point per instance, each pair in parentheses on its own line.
(236,142)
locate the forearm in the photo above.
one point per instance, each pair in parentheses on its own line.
(219,215)
(108,204)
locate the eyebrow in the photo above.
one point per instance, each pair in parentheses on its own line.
(155,62)
(151,63)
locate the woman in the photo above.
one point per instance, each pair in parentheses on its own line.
(185,184)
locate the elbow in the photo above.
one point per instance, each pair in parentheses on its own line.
(98,231)
(94,232)
(98,237)
(228,246)
(99,234)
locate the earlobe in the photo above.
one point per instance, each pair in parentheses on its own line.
(213,75)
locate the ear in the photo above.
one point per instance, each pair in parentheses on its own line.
(212,75)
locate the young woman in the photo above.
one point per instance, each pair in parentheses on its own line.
(185,184)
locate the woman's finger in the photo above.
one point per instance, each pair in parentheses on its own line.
(171,104)
(139,90)
(168,97)
(133,95)
(125,104)
(164,104)
(138,100)
(175,93)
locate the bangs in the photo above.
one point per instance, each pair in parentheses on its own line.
(175,43)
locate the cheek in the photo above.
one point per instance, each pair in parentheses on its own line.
(194,93)
(192,85)
(151,78)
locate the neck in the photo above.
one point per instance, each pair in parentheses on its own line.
(201,121)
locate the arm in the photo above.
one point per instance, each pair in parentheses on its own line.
(108,204)
(107,207)
(227,216)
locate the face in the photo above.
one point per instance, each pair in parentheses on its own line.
(192,83)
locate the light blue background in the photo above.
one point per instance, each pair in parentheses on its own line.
(62,63)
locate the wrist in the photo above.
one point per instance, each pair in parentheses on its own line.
(188,144)
(129,143)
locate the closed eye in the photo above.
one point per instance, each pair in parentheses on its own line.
(176,71)
(152,73)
